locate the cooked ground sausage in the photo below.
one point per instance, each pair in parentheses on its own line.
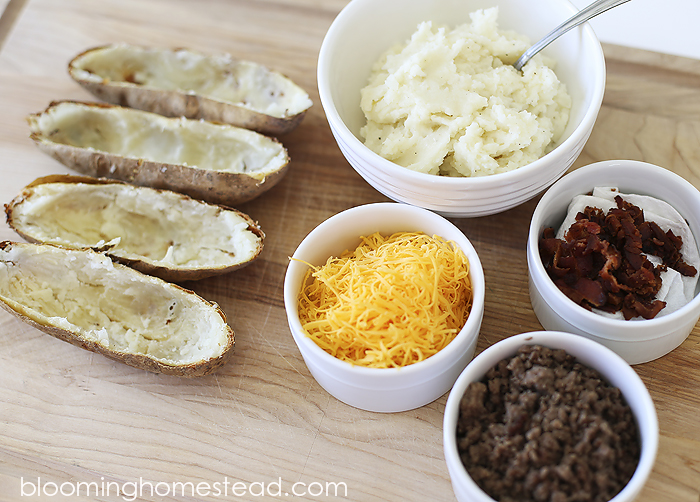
(541,426)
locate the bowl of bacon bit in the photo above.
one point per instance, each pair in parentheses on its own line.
(613,255)
(385,302)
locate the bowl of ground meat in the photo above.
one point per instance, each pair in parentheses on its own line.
(613,256)
(549,416)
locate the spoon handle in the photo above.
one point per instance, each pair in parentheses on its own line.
(597,7)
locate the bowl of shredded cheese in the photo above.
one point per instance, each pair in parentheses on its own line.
(613,255)
(385,302)
(425,105)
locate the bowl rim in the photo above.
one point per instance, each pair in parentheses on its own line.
(343,133)
(553,339)
(577,315)
(470,329)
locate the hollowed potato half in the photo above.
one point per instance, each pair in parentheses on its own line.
(185,83)
(84,298)
(213,162)
(158,232)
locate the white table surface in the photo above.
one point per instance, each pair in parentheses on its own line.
(668,26)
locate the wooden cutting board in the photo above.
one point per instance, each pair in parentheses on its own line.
(70,416)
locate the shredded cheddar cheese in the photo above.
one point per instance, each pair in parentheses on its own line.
(389,303)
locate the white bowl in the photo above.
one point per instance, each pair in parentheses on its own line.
(366,28)
(376,389)
(637,341)
(589,353)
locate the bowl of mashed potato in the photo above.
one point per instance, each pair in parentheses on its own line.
(424,103)
(613,255)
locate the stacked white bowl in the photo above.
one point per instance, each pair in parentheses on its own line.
(365,29)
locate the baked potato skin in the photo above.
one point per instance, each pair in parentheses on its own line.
(134,360)
(139,361)
(210,186)
(217,187)
(179,103)
(166,273)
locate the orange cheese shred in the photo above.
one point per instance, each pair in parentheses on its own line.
(391,302)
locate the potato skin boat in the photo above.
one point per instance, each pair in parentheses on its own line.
(185,83)
(158,232)
(216,163)
(84,298)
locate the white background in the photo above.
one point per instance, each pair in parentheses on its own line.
(669,26)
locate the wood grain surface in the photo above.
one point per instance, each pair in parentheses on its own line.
(69,416)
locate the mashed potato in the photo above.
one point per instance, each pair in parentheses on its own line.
(449,102)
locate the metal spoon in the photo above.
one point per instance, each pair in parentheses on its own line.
(597,7)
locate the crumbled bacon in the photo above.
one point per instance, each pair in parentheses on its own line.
(602,263)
